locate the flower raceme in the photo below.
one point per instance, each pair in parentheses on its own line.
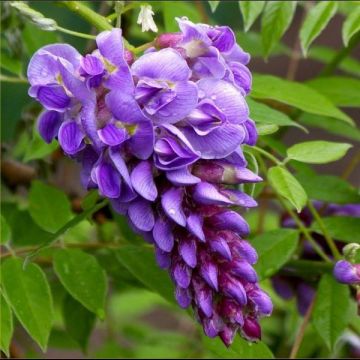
(161,136)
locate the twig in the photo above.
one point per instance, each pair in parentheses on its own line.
(351,166)
(301,333)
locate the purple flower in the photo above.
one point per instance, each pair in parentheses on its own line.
(162,140)
(347,273)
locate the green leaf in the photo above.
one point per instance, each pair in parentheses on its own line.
(341,228)
(262,113)
(239,349)
(6,326)
(287,186)
(79,322)
(38,148)
(275,20)
(331,310)
(331,125)
(171,10)
(35,38)
(48,206)
(213,5)
(329,189)
(341,90)
(295,94)
(325,54)
(10,64)
(140,261)
(24,231)
(82,276)
(318,151)
(5,231)
(28,293)
(250,11)
(251,42)
(275,248)
(316,20)
(351,25)
(266,129)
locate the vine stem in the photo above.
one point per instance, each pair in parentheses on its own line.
(301,333)
(75,33)
(142,48)
(100,22)
(325,232)
(305,231)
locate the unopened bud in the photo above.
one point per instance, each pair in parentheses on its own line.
(168,40)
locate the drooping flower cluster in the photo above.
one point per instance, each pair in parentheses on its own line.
(161,138)
(344,271)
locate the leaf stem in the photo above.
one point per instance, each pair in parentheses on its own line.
(267,155)
(325,232)
(301,333)
(75,33)
(305,231)
(78,7)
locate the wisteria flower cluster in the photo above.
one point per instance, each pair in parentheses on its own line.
(161,136)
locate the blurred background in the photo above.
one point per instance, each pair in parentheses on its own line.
(140,323)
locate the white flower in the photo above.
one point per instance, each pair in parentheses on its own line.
(146,19)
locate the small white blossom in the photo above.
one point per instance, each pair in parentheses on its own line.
(146,19)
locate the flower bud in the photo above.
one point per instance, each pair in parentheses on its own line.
(168,40)
(251,329)
(347,273)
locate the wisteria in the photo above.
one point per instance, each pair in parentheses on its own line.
(161,136)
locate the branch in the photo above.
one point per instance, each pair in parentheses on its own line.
(301,333)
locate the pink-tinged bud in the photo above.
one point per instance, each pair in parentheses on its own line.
(233,288)
(227,335)
(168,40)
(232,311)
(209,171)
(251,329)
(129,57)
(212,326)
(347,273)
